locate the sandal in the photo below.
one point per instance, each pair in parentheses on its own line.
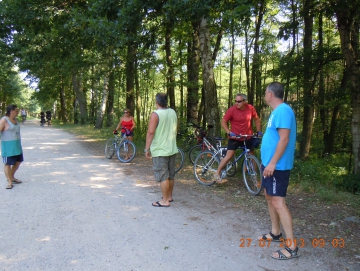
(16,181)
(282,256)
(218,179)
(275,238)
(9,186)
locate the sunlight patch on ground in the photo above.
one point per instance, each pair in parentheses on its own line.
(46,239)
(98,179)
(99,186)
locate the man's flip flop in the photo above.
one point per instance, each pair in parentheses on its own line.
(158,204)
(9,187)
(16,181)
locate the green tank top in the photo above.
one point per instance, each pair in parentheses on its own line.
(164,141)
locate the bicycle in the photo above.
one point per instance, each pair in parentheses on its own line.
(23,118)
(196,136)
(125,149)
(206,145)
(207,162)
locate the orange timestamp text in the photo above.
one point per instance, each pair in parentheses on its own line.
(315,242)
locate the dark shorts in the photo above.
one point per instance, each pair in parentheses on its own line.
(130,134)
(277,184)
(164,167)
(11,160)
(235,144)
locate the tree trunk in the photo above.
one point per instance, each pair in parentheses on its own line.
(308,118)
(80,97)
(231,75)
(110,101)
(137,98)
(102,105)
(256,57)
(170,74)
(348,25)
(63,116)
(211,101)
(130,75)
(193,74)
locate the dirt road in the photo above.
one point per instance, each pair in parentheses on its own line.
(77,210)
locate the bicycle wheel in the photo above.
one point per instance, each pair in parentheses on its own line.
(126,151)
(194,152)
(179,160)
(110,148)
(252,174)
(205,165)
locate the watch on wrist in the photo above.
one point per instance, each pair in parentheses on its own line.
(145,150)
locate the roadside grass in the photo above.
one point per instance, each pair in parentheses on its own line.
(323,178)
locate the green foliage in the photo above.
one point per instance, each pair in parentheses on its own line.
(329,172)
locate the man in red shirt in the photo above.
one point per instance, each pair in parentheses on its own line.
(239,116)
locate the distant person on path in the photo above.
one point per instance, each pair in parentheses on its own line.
(277,157)
(240,117)
(11,149)
(161,146)
(23,114)
(48,116)
(42,118)
(128,122)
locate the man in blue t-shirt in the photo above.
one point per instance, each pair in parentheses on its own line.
(277,157)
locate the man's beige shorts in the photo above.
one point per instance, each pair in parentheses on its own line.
(164,167)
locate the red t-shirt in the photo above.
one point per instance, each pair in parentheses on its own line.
(240,120)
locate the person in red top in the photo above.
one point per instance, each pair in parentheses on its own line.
(240,117)
(128,122)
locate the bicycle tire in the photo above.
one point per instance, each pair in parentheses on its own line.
(194,152)
(205,166)
(126,151)
(110,148)
(252,175)
(179,160)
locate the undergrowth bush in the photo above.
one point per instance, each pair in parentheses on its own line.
(330,171)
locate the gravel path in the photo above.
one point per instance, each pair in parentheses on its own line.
(77,210)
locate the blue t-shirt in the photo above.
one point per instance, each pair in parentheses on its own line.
(282,117)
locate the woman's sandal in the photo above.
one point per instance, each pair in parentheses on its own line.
(282,256)
(275,238)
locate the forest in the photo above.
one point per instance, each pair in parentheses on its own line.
(87,60)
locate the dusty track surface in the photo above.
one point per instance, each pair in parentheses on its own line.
(77,210)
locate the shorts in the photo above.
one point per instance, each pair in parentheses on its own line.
(164,167)
(130,134)
(251,144)
(277,184)
(11,160)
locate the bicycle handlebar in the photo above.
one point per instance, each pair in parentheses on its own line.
(244,136)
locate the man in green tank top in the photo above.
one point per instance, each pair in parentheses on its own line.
(161,146)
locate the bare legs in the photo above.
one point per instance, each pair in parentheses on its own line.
(10,170)
(279,213)
(167,187)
